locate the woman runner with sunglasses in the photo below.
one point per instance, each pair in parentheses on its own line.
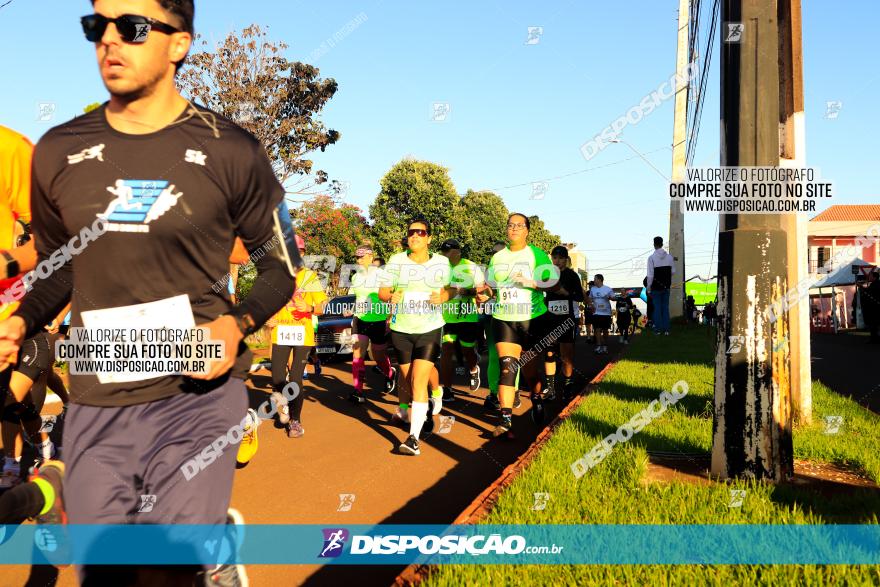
(520,274)
(416,282)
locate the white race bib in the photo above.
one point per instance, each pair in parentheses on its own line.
(173,313)
(416,302)
(514,295)
(602,305)
(291,335)
(558,307)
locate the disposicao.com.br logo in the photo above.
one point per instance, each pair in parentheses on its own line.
(454,544)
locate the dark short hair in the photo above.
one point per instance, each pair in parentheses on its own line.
(599,276)
(658,241)
(184,11)
(559,251)
(528,222)
(420,220)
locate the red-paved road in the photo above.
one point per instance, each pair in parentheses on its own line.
(350,449)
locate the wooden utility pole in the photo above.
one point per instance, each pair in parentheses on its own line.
(752,423)
(679,160)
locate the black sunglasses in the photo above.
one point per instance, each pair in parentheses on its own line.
(417,232)
(132,28)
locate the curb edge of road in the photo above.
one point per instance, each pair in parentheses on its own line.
(483,503)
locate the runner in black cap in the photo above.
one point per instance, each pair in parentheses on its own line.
(462,320)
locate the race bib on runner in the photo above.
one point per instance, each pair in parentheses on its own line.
(416,302)
(291,335)
(602,305)
(173,313)
(514,296)
(558,307)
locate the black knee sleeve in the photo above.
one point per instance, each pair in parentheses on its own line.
(509,370)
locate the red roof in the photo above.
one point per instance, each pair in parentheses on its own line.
(849,213)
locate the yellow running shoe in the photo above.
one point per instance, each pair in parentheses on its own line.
(249,441)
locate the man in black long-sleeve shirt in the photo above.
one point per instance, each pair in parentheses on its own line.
(562,305)
(136,203)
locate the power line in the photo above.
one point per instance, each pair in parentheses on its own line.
(548,179)
(697,111)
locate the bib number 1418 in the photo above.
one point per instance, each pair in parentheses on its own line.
(291,335)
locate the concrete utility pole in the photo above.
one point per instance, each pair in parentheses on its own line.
(679,161)
(793,154)
(752,424)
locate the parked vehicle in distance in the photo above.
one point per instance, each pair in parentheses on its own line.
(334,339)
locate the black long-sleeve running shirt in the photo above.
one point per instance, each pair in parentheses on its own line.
(172,202)
(569,280)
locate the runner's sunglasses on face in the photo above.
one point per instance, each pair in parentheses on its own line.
(132,28)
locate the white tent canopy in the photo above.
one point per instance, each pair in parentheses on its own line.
(842,276)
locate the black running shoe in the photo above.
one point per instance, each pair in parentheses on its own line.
(428,427)
(537,413)
(410,446)
(475,379)
(491,403)
(504,428)
(550,389)
(356,397)
(391,382)
(448,395)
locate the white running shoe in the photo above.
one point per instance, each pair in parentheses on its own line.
(230,575)
(281,408)
(438,404)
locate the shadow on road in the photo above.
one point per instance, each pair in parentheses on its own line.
(446,499)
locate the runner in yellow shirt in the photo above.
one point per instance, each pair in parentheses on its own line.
(19,256)
(293,333)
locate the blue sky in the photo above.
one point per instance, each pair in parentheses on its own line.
(519,112)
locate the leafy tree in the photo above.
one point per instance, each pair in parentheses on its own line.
(540,236)
(485,217)
(247,79)
(329,229)
(413,188)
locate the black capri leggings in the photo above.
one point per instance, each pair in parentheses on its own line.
(281,377)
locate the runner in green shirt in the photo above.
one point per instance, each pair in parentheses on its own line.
(461,317)
(493,367)
(519,275)
(416,282)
